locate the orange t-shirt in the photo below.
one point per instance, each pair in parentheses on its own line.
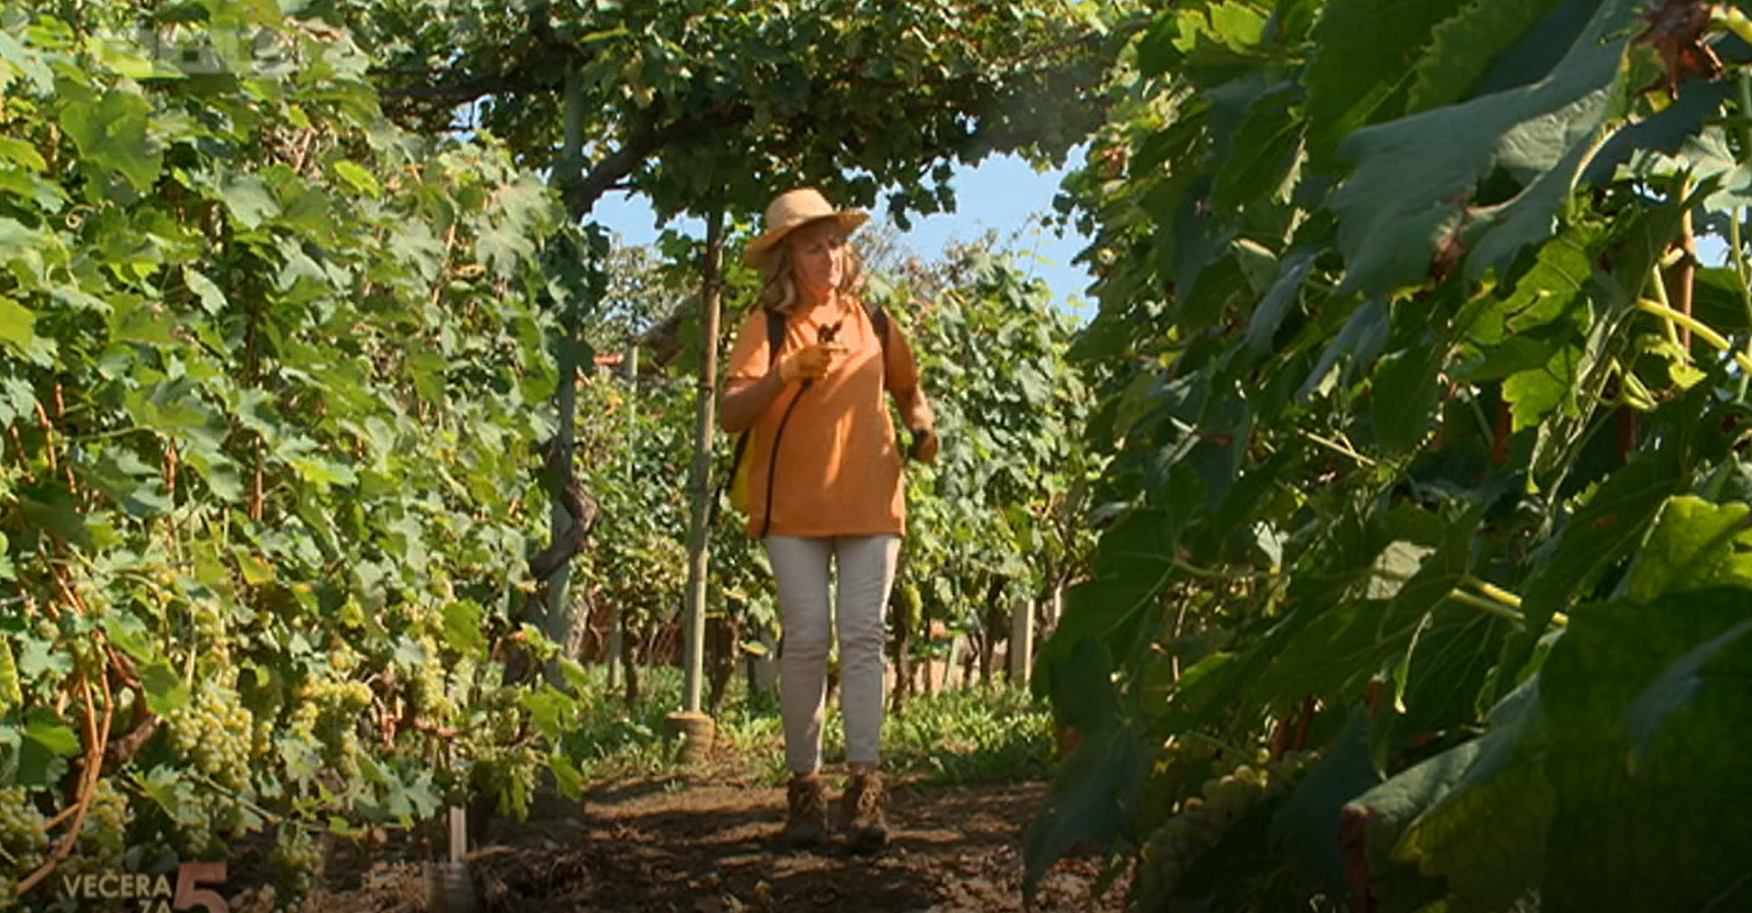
(838,467)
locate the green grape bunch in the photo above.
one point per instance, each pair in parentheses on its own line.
(430,697)
(261,743)
(205,821)
(215,733)
(24,835)
(25,839)
(345,754)
(194,837)
(107,819)
(1203,819)
(298,861)
(209,621)
(347,697)
(195,833)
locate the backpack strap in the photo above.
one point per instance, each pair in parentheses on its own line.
(879,321)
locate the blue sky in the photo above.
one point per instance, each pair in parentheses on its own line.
(1002,192)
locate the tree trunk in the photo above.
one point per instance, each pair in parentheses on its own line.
(762,677)
(557,623)
(700,479)
(751,674)
(933,680)
(631,668)
(903,669)
(988,641)
(724,642)
(900,613)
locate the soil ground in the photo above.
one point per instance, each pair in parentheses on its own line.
(705,844)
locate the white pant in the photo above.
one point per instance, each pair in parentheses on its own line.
(866,571)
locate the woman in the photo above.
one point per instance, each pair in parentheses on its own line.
(829,491)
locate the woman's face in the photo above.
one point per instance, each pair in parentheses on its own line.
(818,258)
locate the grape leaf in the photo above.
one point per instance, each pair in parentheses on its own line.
(1100,779)
(567,777)
(1364,335)
(1614,520)
(211,297)
(1622,830)
(1677,687)
(250,201)
(48,730)
(358,178)
(1331,657)
(1474,815)
(1307,825)
(1404,395)
(1269,315)
(16,324)
(1359,74)
(1410,195)
(112,133)
(21,153)
(1536,393)
(462,628)
(1462,47)
(1694,545)
(164,688)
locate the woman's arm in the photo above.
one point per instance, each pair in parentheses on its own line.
(744,400)
(915,409)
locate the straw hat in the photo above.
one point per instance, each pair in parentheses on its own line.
(792,210)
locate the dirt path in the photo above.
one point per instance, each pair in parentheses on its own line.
(673,847)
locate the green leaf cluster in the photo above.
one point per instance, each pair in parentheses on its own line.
(1409,460)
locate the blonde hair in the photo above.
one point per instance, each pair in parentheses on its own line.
(778,290)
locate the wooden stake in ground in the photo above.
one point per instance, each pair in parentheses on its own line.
(1021,640)
(615,621)
(700,478)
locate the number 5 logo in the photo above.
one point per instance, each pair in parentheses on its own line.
(190,896)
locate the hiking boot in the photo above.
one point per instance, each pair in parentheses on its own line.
(806,820)
(861,813)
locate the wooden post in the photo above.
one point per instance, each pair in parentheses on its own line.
(615,622)
(700,479)
(1021,638)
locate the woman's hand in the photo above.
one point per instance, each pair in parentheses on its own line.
(924,445)
(810,363)
(915,411)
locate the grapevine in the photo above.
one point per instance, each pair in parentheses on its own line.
(219,451)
